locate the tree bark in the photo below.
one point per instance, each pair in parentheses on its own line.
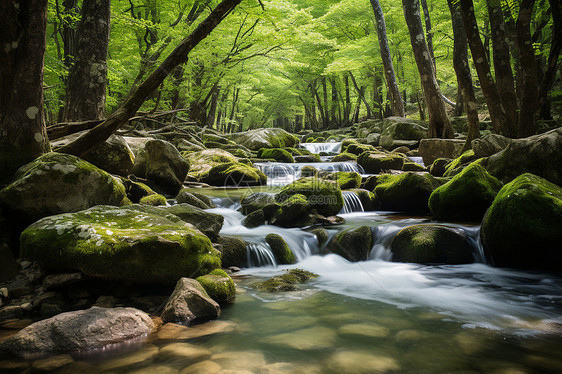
(439,125)
(23,136)
(86,84)
(462,70)
(396,100)
(502,66)
(361,93)
(429,33)
(527,125)
(489,88)
(100,133)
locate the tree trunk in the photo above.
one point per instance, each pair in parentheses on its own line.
(85,87)
(396,100)
(179,56)
(439,125)
(361,93)
(462,70)
(429,33)
(489,88)
(333,102)
(502,65)
(23,136)
(347,111)
(213,107)
(527,123)
(326,116)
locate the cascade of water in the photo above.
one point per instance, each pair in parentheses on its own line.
(352,203)
(316,148)
(417,160)
(260,254)
(279,174)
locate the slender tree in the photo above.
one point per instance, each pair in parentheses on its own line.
(86,85)
(396,99)
(23,136)
(178,56)
(439,125)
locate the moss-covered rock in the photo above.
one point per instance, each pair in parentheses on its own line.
(208,223)
(400,128)
(412,166)
(203,161)
(153,200)
(281,251)
(466,197)
(264,138)
(254,219)
(276,154)
(357,149)
(293,212)
(162,165)
(344,156)
(256,201)
(367,198)
(58,183)
(346,143)
(286,282)
(234,174)
(136,190)
(346,180)
(324,196)
(376,162)
(309,171)
(522,228)
(439,167)
(431,244)
(353,244)
(219,286)
(135,243)
(320,233)
(233,251)
(408,192)
(186,196)
(459,163)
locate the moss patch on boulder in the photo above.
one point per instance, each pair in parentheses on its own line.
(286,282)
(264,138)
(322,195)
(346,180)
(459,163)
(522,228)
(277,154)
(466,197)
(203,161)
(431,244)
(234,174)
(408,192)
(136,243)
(153,200)
(376,162)
(281,251)
(353,244)
(344,156)
(219,286)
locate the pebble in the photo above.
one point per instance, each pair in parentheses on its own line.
(306,339)
(365,329)
(204,367)
(183,352)
(240,360)
(156,369)
(172,331)
(135,360)
(361,362)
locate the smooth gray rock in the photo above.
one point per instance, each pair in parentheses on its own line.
(188,302)
(432,149)
(489,145)
(80,330)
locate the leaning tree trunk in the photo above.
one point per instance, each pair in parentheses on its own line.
(462,70)
(502,66)
(100,133)
(23,136)
(527,124)
(555,47)
(396,99)
(439,125)
(85,88)
(489,88)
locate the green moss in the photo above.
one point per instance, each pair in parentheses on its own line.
(459,163)
(357,149)
(287,281)
(153,200)
(324,196)
(203,161)
(136,190)
(346,180)
(345,156)
(135,243)
(412,166)
(467,196)
(353,244)
(293,212)
(376,162)
(219,286)
(235,173)
(346,143)
(309,171)
(276,154)
(427,244)
(522,227)
(281,251)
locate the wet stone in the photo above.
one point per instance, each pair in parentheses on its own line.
(20,287)
(57,280)
(204,367)
(139,359)
(182,352)
(156,369)
(305,339)
(52,363)
(8,367)
(240,360)
(10,312)
(365,329)
(362,362)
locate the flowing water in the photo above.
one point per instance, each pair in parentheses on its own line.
(317,148)
(280,174)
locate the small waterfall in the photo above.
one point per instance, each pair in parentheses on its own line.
(334,147)
(259,254)
(352,203)
(417,160)
(280,174)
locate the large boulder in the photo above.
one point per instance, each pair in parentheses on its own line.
(82,330)
(280,249)
(277,154)
(407,193)
(208,223)
(292,212)
(465,197)
(432,244)
(432,149)
(353,244)
(459,163)
(522,228)
(234,252)
(202,162)
(234,174)
(264,138)
(346,179)
(114,155)
(322,195)
(396,129)
(376,162)
(189,301)
(58,183)
(489,145)
(162,165)
(256,201)
(538,154)
(136,243)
